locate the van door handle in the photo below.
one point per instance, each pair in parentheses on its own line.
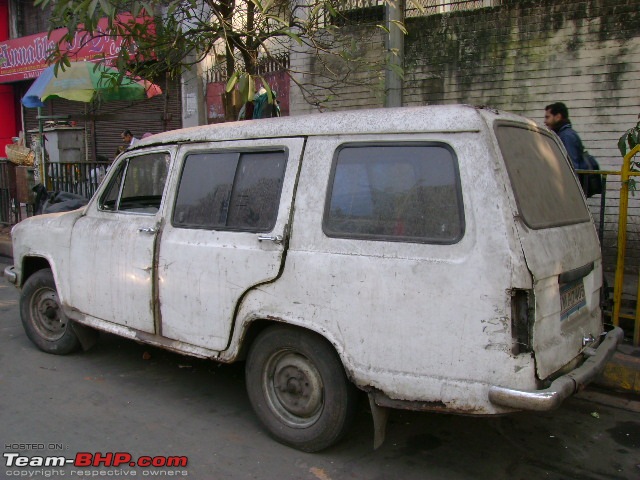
(149,230)
(275,238)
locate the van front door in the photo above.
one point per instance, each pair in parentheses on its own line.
(226,234)
(113,244)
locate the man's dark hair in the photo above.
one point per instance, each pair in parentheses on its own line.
(127,133)
(558,108)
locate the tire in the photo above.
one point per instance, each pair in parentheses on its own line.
(43,320)
(317,407)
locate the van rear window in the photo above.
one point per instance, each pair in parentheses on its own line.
(543,182)
(401,193)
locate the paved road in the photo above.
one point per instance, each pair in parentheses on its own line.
(126,397)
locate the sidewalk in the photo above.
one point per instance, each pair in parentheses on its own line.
(6,249)
(620,378)
(622,373)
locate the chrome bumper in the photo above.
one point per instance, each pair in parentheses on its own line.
(562,387)
(10,274)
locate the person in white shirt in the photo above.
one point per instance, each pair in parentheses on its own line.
(129,139)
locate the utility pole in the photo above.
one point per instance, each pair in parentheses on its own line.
(394,12)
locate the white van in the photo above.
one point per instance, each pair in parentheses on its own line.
(437,258)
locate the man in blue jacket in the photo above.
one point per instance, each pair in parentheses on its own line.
(556,117)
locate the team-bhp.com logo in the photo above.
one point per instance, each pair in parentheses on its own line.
(110,460)
(86,459)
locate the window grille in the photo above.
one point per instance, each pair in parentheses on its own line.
(32,19)
(433,7)
(367,11)
(356,12)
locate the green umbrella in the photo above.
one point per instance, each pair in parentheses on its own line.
(86,81)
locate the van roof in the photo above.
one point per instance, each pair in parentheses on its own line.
(433,118)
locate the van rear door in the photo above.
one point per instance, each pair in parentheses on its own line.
(226,234)
(559,242)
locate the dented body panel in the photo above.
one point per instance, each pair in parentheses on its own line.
(418,324)
(405,317)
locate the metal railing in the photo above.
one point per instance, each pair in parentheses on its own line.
(273,63)
(7,195)
(81,178)
(625,175)
(420,8)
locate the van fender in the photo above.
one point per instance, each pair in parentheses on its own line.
(240,340)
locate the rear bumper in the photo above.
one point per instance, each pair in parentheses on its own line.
(564,386)
(10,274)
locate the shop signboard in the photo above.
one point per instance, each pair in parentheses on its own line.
(25,57)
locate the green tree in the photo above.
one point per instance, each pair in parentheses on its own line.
(629,139)
(167,36)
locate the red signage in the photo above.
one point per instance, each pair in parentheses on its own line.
(25,57)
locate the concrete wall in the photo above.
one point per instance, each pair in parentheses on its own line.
(346,84)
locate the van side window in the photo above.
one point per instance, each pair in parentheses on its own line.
(405,192)
(230,190)
(144,178)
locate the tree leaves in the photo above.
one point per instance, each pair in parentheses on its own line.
(169,36)
(629,139)
(232,81)
(401,26)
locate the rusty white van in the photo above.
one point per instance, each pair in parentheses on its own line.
(438,258)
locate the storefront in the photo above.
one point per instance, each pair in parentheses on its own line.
(10,122)
(23,59)
(104,123)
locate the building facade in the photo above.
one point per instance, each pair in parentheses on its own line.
(23,53)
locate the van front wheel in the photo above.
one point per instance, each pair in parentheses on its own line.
(298,388)
(43,320)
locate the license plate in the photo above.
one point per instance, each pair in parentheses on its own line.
(572,298)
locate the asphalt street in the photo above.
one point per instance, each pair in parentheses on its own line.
(125,397)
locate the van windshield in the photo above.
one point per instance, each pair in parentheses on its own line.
(545,188)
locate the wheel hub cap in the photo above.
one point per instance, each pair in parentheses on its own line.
(296,393)
(46,314)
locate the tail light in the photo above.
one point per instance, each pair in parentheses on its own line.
(522,315)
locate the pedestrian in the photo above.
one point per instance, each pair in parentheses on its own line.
(556,117)
(129,139)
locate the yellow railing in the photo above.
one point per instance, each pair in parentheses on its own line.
(625,174)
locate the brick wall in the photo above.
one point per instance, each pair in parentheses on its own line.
(524,55)
(521,56)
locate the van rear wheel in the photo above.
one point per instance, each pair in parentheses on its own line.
(298,388)
(43,320)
